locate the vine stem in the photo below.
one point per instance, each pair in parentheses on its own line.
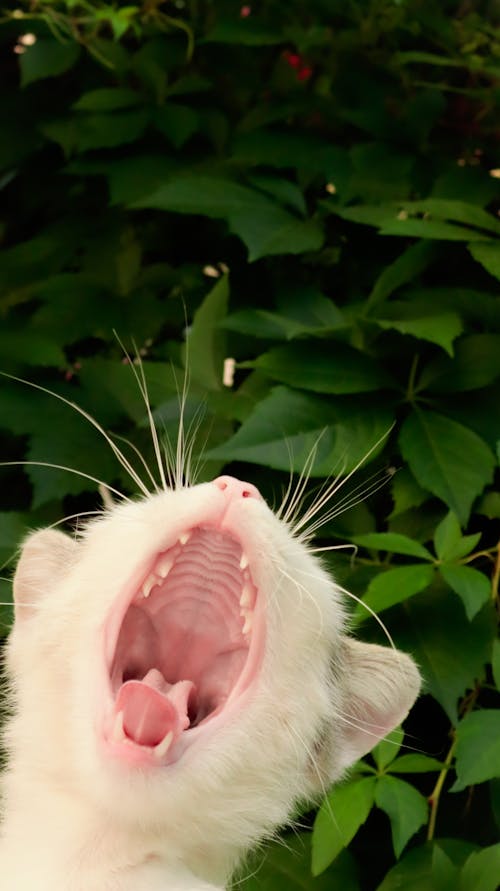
(488,553)
(495,579)
(435,795)
(467,705)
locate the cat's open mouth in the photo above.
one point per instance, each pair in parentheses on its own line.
(185,647)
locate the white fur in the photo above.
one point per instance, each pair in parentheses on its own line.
(74,821)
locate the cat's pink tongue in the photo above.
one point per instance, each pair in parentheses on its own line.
(153,707)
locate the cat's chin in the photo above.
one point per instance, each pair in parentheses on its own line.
(183,644)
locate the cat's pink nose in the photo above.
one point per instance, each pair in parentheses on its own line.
(236,488)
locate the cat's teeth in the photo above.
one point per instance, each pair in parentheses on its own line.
(149,584)
(162,748)
(164,566)
(118,733)
(248,623)
(184,538)
(243,562)
(246,596)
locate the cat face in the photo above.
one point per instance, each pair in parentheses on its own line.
(186,661)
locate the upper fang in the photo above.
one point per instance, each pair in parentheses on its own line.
(149,584)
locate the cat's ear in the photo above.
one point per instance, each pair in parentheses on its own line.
(45,557)
(381,685)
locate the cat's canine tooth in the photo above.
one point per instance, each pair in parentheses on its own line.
(149,584)
(246,596)
(184,537)
(243,562)
(164,566)
(247,627)
(162,748)
(118,734)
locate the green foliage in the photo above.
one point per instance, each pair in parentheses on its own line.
(332,170)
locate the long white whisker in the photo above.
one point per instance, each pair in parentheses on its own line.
(88,417)
(304,477)
(342,547)
(288,489)
(369,610)
(335,486)
(191,470)
(350,500)
(139,455)
(141,383)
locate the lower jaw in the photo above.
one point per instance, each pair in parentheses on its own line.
(151,758)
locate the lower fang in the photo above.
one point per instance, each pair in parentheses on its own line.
(247,627)
(162,748)
(149,584)
(118,733)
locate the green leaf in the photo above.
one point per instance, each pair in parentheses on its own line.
(107,99)
(243,32)
(387,750)
(96,130)
(441,328)
(274,231)
(446,458)
(323,368)
(489,506)
(478,749)
(481,870)
(420,56)
(406,492)
(448,540)
(423,869)
(405,268)
(286,866)
(80,449)
(431,218)
(450,650)
(205,345)
(289,148)
(340,816)
(189,83)
(495,663)
(286,427)
(132,178)
(415,763)
(458,212)
(488,254)
(176,122)
(476,364)
(265,325)
(30,348)
(393,542)
(472,586)
(406,808)
(393,586)
(13,527)
(265,227)
(284,191)
(47,58)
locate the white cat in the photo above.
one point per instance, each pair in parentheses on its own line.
(180,678)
